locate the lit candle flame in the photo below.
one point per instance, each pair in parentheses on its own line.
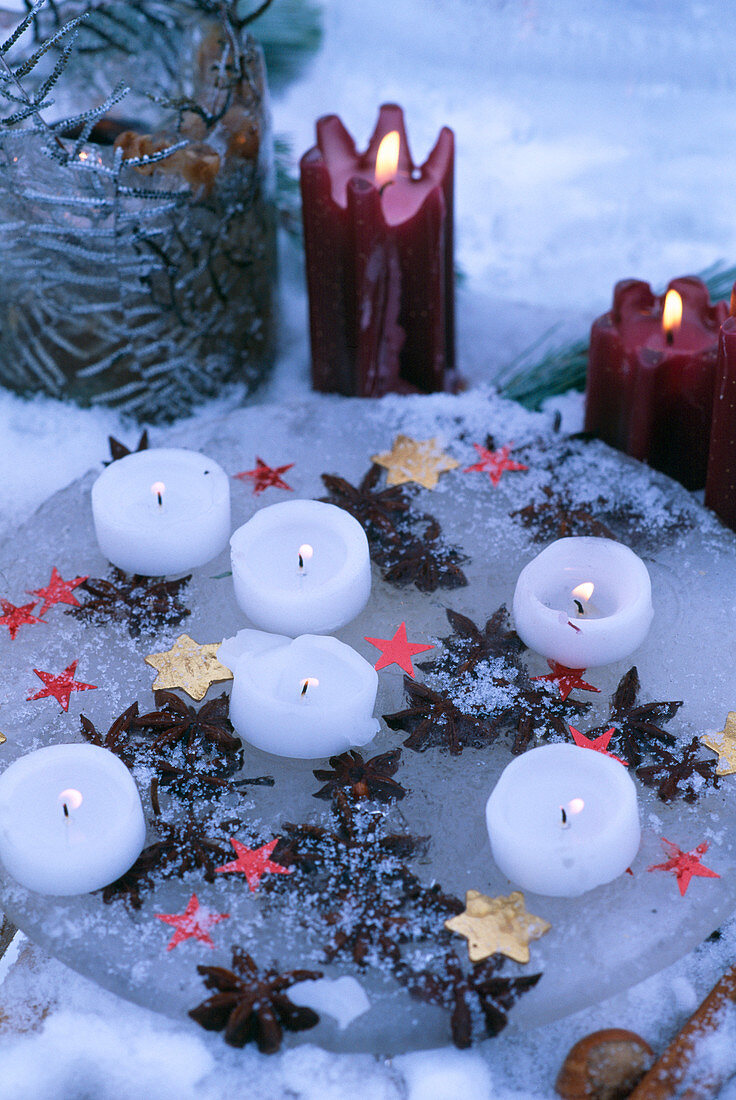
(584,591)
(573,807)
(671,314)
(387,159)
(158,489)
(310,682)
(70,798)
(306,553)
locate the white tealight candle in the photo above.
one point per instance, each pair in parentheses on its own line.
(306,697)
(301,567)
(563,820)
(161,511)
(584,602)
(71,819)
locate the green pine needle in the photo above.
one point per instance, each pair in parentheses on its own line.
(531,381)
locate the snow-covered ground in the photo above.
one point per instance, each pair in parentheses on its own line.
(595,141)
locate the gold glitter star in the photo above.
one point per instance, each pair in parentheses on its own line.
(419,460)
(3,739)
(724,743)
(497,924)
(189,666)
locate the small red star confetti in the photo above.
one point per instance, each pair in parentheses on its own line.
(60,686)
(397,650)
(15,617)
(566,679)
(494,463)
(598,744)
(266,477)
(57,591)
(253,863)
(686,865)
(193,924)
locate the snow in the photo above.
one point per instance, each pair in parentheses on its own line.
(595,141)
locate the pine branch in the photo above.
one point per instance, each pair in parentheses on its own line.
(564,368)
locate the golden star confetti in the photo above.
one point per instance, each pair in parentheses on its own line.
(189,666)
(497,924)
(420,460)
(724,743)
(3,739)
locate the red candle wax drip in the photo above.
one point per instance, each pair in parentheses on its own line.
(720,486)
(649,395)
(379,263)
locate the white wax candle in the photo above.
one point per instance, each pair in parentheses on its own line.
(301,567)
(306,697)
(71,819)
(562,820)
(161,511)
(584,602)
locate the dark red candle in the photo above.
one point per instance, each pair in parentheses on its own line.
(379,257)
(651,382)
(720,487)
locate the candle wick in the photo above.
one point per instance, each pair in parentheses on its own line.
(66,810)
(579,605)
(383,186)
(305,685)
(670,337)
(160,500)
(301,562)
(565,822)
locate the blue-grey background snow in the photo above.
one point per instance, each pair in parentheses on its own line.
(595,141)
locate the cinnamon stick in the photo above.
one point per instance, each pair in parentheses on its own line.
(676,1073)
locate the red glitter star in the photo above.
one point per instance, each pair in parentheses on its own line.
(193,924)
(57,591)
(253,863)
(60,686)
(598,744)
(265,477)
(397,650)
(686,865)
(566,679)
(494,463)
(15,617)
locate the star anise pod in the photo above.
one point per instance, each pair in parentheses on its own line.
(457,991)
(118,450)
(140,603)
(556,517)
(432,718)
(176,723)
(136,880)
(117,738)
(377,510)
(194,784)
(361,778)
(674,776)
(637,727)
(367,920)
(469,644)
(251,1004)
(421,560)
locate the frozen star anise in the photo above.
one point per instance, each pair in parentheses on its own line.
(361,778)
(457,991)
(251,1004)
(686,775)
(469,644)
(423,561)
(136,880)
(118,450)
(556,517)
(638,726)
(117,738)
(176,723)
(140,603)
(432,718)
(377,510)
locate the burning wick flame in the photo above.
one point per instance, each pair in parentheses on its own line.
(671,315)
(158,489)
(582,592)
(387,159)
(573,807)
(70,797)
(310,681)
(306,553)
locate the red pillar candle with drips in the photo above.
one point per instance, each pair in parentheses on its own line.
(651,376)
(720,487)
(378,240)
